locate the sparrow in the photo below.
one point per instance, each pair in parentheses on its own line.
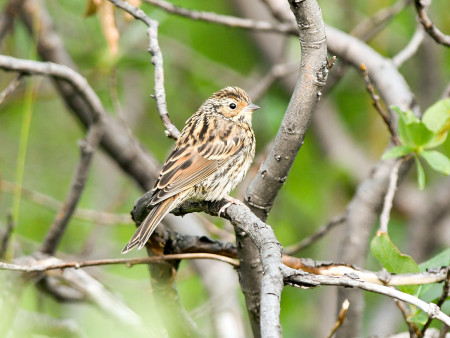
(212,155)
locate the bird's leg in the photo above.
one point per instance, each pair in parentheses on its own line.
(230,201)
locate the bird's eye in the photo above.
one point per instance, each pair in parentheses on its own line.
(232,105)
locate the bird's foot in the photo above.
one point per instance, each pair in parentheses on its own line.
(231,201)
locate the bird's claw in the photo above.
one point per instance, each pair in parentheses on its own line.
(231,201)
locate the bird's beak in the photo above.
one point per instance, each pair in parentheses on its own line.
(251,107)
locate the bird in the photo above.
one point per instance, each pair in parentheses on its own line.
(211,156)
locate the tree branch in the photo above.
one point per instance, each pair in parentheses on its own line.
(431,29)
(226,20)
(294,278)
(11,87)
(411,48)
(88,146)
(157,60)
(53,204)
(42,266)
(376,103)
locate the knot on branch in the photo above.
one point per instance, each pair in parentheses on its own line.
(433,310)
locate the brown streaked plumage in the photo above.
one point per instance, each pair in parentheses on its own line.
(211,156)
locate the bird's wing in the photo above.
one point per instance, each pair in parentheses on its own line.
(192,162)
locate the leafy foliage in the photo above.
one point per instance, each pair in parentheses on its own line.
(419,136)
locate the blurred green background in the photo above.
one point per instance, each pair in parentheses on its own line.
(199,59)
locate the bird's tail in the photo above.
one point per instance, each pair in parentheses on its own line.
(150,223)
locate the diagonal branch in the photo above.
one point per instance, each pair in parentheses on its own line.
(157,60)
(431,29)
(88,146)
(11,87)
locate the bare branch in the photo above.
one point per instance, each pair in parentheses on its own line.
(61,72)
(431,29)
(53,204)
(411,48)
(226,20)
(7,17)
(88,146)
(43,266)
(59,225)
(412,327)
(387,206)
(294,278)
(341,318)
(276,72)
(443,297)
(157,60)
(11,87)
(376,103)
(295,248)
(371,26)
(126,152)
(6,235)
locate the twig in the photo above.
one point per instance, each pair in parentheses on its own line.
(44,266)
(412,327)
(88,146)
(6,235)
(277,71)
(295,248)
(376,103)
(29,67)
(11,87)
(341,318)
(431,29)
(157,60)
(8,16)
(444,330)
(411,48)
(440,302)
(369,27)
(387,206)
(294,278)
(227,20)
(53,204)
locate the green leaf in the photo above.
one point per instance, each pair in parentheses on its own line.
(437,116)
(397,151)
(419,317)
(437,261)
(418,134)
(420,174)
(411,130)
(437,161)
(437,140)
(407,116)
(392,259)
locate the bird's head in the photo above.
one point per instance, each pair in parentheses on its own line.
(233,103)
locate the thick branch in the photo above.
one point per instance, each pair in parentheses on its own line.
(313,72)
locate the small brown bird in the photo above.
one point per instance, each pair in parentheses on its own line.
(211,156)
